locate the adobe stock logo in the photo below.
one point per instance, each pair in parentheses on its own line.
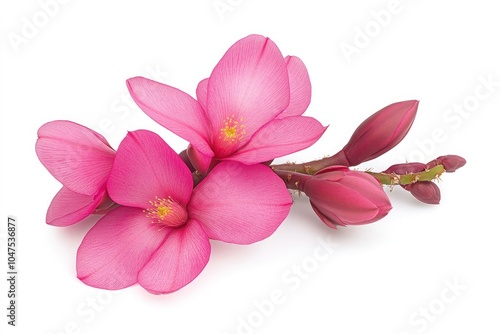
(34,23)
(87,311)
(222,7)
(291,281)
(364,34)
(486,87)
(430,312)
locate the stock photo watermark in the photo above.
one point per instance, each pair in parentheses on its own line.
(12,274)
(291,281)
(222,7)
(428,313)
(86,312)
(31,25)
(365,33)
(123,105)
(453,117)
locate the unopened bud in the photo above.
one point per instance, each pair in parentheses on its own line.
(405,168)
(340,196)
(425,191)
(380,132)
(184,156)
(450,162)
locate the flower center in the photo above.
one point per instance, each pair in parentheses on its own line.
(166,211)
(233,130)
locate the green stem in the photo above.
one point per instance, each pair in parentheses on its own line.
(296,180)
(395,179)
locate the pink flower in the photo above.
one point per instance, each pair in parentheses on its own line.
(378,133)
(340,196)
(248,110)
(159,237)
(80,159)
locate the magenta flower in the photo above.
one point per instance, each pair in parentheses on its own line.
(80,159)
(159,237)
(248,110)
(340,196)
(378,133)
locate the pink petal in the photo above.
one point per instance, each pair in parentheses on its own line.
(240,204)
(76,156)
(201,93)
(171,108)
(280,137)
(327,220)
(105,205)
(357,198)
(177,261)
(425,191)
(117,247)
(348,206)
(68,207)
(249,85)
(145,168)
(200,161)
(300,87)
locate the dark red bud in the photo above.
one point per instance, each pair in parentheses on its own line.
(406,168)
(450,162)
(425,191)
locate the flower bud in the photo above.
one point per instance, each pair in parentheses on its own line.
(450,162)
(185,158)
(340,196)
(380,132)
(425,191)
(405,168)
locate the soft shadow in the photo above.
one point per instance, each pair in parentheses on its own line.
(303,217)
(75,233)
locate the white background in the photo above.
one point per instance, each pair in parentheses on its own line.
(378,278)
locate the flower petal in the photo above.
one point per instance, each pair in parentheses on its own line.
(171,108)
(200,161)
(280,137)
(300,87)
(240,204)
(145,168)
(117,247)
(177,261)
(331,221)
(68,207)
(249,86)
(201,93)
(75,155)
(348,206)
(354,200)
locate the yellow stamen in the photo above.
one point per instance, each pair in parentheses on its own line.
(232,130)
(166,211)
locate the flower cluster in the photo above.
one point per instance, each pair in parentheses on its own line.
(158,210)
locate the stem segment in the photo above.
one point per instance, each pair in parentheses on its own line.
(395,179)
(311,167)
(293,180)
